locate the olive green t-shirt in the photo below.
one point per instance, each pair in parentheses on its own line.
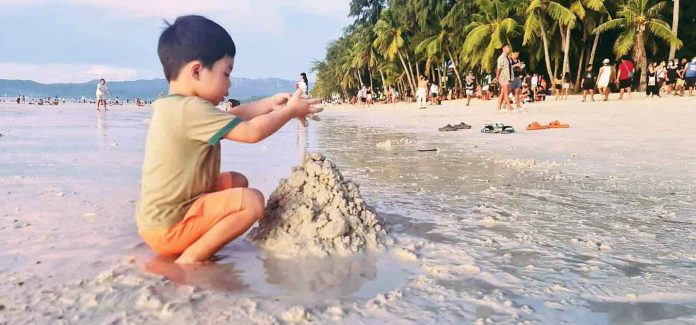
(182,158)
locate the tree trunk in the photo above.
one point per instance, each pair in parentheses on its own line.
(456,73)
(596,42)
(639,57)
(566,49)
(408,74)
(384,83)
(546,49)
(440,75)
(675,26)
(580,66)
(369,73)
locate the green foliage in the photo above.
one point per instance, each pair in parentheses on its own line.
(391,42)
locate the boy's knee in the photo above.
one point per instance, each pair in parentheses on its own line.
(254,202)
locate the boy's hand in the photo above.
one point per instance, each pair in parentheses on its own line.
(302,108)
(279,100)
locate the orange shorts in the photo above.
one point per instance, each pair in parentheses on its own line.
(203,214)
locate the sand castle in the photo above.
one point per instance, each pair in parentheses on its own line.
(316,211)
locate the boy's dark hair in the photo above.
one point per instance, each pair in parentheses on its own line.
(193,38)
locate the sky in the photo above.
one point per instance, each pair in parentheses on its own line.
(53,41)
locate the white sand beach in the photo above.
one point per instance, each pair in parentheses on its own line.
(590,224)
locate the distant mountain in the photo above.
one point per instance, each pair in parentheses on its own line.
(242,88)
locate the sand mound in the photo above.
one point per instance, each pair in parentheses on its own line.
(316,212)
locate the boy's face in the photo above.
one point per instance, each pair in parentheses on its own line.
(213,84)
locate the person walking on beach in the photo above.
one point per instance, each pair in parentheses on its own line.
(101,93)
(588,84)
(566,84)
(503,75)
(470,87)
(625,79)
(604,77)
(422,92)
(558,86)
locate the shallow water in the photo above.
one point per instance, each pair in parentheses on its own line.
(507,242)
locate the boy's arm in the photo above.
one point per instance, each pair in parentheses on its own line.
(251,110)
(262,126)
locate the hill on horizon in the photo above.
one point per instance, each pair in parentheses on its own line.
(241,89)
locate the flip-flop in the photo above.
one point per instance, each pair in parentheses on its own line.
(462,126)
(536,126)
(507,129)
(557,125)
(488,128)
(448,127)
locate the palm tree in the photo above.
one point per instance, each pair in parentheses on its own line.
(536,24)
(436,47)
(490,29)
(638,20)
(675,27)
(390,42)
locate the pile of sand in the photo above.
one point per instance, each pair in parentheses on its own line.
(316,212)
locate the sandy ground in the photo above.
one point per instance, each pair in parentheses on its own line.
(591,224)
(639,133)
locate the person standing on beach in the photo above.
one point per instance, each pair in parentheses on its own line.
(690,75)
(604,79)
(625,79)
(303,85)
(516,82)
(652,89)
(503,75)
(672,77)
(101,93)
(434,94)
(422,92)
(588,84)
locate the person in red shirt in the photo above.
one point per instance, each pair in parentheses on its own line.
(625,79)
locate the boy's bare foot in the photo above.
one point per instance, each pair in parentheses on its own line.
(184,259)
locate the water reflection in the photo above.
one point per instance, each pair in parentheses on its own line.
(101,125)
(320,278)
(209,276)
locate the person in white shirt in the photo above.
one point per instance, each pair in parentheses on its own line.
(434,94)
(101,93)
(303,84)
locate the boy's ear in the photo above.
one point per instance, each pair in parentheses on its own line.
(195,68)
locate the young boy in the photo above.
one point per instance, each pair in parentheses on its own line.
(187,207)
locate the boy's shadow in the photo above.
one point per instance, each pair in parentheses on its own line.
(208,276)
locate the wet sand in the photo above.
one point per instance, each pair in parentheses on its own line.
(592,224)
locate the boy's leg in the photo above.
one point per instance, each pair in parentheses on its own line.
(231,180)
(229,227)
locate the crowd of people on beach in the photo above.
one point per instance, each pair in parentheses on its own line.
(513,86)
(100,99)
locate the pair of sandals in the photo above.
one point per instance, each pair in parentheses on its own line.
(553,125)
(456,127)
(497,127)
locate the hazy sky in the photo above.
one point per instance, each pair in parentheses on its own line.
(80,40)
